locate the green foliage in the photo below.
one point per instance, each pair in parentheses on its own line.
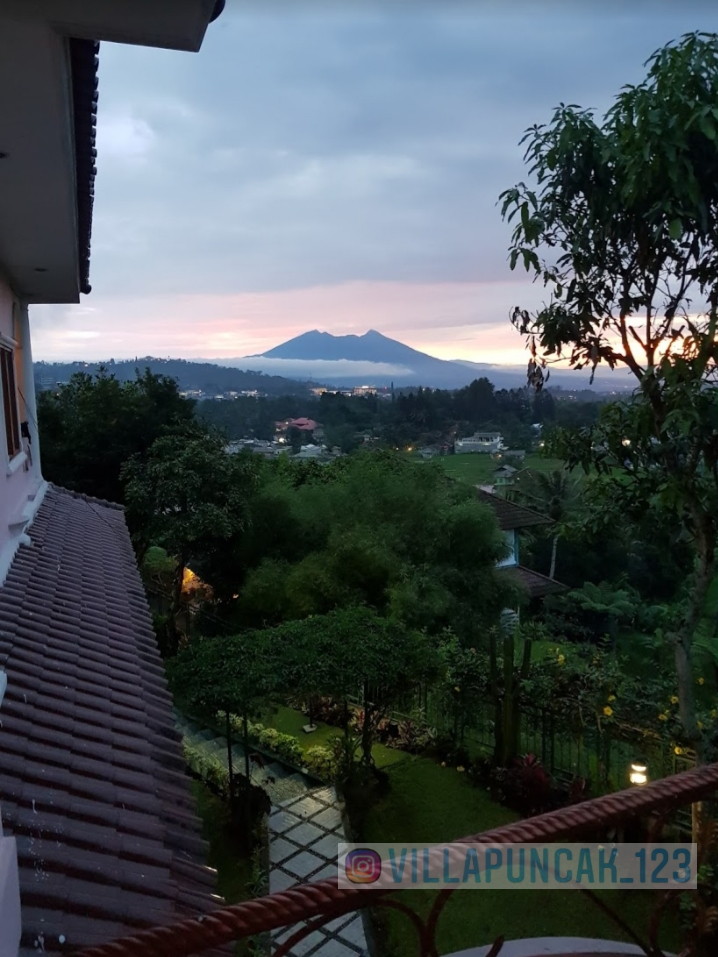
(92,425)
(620,228)
(208,768)
(374,529)
(191,498)
(223,674)
(321,761)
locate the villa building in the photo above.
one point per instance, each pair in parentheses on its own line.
(98,835)
(479,442)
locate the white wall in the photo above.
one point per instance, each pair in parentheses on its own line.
(21,485)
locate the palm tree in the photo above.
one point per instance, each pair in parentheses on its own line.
(553,494)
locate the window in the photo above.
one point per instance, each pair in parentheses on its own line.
(9,402)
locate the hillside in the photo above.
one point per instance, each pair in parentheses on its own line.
(205,377)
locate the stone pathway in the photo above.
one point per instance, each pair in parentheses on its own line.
(305,828)
(304,833)
(279,781)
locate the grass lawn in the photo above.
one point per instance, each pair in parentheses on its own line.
(430,803)
(477,468)
(290,721)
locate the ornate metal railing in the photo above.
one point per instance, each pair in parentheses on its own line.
(313,905)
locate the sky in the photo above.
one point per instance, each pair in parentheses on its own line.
(334,165)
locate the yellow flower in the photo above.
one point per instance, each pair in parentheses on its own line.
(674,699)
(561,659)
(678,750)
(460,768)
(612,697)
(663,717)
(608,711)
(701,681)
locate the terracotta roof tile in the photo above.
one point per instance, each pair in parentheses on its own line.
(92,779)
(508,514)
(535,584)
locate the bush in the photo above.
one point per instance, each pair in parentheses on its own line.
(284,746)
(525,787)
(209,769)
(321,761)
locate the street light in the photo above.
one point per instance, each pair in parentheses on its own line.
(638,774)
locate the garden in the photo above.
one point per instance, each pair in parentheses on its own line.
(363,598)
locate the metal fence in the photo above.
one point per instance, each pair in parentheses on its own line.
(599,752)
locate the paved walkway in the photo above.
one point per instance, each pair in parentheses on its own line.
(305,827)
(304,833)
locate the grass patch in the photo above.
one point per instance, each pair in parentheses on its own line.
(477,468)
(291,721)
(431,803)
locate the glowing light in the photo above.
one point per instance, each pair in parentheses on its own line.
(638,774)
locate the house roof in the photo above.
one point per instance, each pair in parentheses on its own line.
(535,584)
(84,61)
(508,514)
(92,780)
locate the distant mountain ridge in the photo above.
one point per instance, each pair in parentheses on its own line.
(375,359)
(208,377)
(370,347)
(371,358)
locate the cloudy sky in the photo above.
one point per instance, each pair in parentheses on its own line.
(334,165)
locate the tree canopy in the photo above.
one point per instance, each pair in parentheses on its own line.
(93,424)
(620,227)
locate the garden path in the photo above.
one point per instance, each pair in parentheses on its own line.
(305,828)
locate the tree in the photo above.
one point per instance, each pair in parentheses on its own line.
(231,675)
(92,425)
(552,493)
(621,229)
(379,530)
(353,652)
(189,497)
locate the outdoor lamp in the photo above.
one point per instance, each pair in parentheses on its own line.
(638,774)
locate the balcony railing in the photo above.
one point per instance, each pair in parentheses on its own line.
(313,905)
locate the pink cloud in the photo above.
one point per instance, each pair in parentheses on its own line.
(449,320)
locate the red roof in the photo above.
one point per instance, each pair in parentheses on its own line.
(92,780)
(302,423)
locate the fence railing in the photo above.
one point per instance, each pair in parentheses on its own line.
(601,752)
(311,906)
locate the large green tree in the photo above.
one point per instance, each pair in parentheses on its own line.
(353,653)
(620,225)
(93,424)
(187,495)
(378,529)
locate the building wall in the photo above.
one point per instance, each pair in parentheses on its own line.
(21,484)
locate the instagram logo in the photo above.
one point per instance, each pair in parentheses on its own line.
(362,866)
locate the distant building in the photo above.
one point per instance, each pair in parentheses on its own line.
(518,455)
(480,442)
(302,423)
(504,475)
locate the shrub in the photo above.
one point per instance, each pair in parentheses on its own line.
(524,787)
(209,769)
(321,761)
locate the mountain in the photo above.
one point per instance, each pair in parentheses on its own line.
(370,359)
(375,359)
